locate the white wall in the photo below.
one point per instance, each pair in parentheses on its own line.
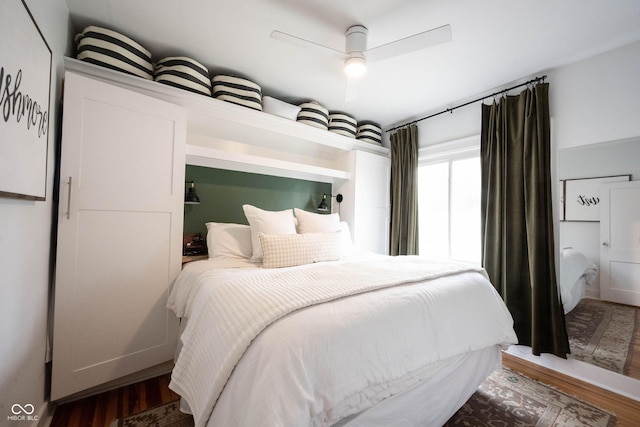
(591,101)
(25,231)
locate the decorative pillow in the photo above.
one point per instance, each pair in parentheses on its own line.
(288,250)
(279,108)
(229,240)
(183,73)
(267,222)
(309,222)
(314,114)
(369,132)
(237,91)
(113,50)
(342,124)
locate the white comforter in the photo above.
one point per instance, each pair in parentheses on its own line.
(320,363)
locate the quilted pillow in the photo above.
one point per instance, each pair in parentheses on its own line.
(288,250)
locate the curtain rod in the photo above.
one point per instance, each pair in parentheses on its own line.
(450,110)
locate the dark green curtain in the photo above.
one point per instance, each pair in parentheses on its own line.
(404,192)
(517,219)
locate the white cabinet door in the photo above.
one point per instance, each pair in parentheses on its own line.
(620,242)
(119,234)
(366,201)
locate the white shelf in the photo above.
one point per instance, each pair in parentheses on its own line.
(224,159)
(223,120)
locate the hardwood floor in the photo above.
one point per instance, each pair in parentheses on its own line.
(102,409)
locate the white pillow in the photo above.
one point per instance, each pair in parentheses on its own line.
(288,250)
(309,222)
(268,222)
(228,240)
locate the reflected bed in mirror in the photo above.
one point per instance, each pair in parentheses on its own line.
(610,158)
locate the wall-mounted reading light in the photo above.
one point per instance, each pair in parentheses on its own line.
(324,207)
(191,198)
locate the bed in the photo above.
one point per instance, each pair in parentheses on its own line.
(292,327)
(576,273)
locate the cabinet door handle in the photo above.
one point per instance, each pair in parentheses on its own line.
(69,200)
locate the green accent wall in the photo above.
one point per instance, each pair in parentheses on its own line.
(223,192)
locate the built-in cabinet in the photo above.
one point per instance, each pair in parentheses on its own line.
(125,144)
(119,234)
(366,205)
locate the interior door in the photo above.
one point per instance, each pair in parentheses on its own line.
(119,234)
(620,242)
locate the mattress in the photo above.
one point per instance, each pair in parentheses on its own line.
(319,364)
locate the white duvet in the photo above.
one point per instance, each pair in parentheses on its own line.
(310,345)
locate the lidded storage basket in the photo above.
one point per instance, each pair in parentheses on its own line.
(342,124)
(113,50)
(237,90)
(314,114)
(369,132)
(183,73)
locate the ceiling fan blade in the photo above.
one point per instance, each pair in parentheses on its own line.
(412,43)
(351,90)
(297,41)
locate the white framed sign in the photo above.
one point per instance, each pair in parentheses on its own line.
(581,197)
(25,79)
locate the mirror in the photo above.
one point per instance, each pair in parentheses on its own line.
(598,330)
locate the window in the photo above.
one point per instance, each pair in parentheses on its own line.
(449,204)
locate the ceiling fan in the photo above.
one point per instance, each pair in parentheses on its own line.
(356,56)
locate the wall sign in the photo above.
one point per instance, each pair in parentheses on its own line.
(581,197)
(25,78)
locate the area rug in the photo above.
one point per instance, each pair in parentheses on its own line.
(167,415)
(601,333)
(505,399)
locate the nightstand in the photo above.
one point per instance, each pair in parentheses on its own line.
(189,258)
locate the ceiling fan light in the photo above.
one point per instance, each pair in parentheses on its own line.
(355,66)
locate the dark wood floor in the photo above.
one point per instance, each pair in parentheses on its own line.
(102,409)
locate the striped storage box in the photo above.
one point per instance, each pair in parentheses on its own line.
(342,124)
(237,91)
(314,114)
(369,132)
(112,50)
(183,73)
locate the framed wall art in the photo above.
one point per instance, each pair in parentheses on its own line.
(25,79)
(581,197)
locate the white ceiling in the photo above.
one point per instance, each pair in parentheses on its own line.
(495,43)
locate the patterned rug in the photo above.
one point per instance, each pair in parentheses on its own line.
(601,333)
(167,415)
(510,399)
(504,399)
